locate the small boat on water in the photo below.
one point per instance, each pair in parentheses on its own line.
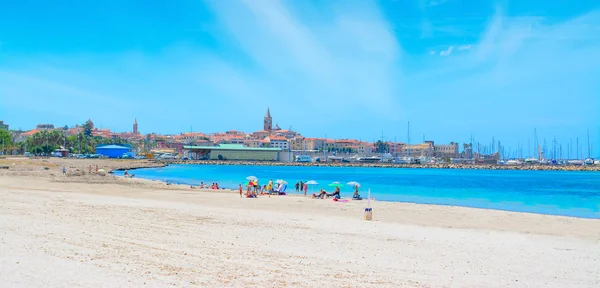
(369,159)
(576,162)
(514,162)
(589,161)
(403,160)
(531,161)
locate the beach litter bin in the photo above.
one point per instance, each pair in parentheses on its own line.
(368,214)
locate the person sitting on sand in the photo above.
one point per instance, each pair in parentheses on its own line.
(356,196)
(336,193)
(322,194)
(217,186)
(251,194)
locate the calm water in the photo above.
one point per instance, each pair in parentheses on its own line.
(546,192)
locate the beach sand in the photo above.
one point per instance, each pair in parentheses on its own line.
(85,230)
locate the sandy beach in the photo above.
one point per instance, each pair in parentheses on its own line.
(83,230)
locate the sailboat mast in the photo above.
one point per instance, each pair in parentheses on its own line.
(588,140)
(408,140)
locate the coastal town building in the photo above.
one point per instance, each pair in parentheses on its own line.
(235,152)
(278,142)
(135,127)
(3,126)
(268,122)
(446,151)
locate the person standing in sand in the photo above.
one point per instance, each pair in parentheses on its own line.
(241,190)
(297,186)
(64,170)
(305,189)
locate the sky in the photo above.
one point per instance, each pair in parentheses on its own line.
(338,69)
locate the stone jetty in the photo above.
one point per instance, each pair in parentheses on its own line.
(595,168)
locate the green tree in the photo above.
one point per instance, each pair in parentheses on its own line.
(88,126)
(5,141)
(381,146)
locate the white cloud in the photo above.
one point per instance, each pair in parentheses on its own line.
(465,47)
(447,52)
(347,60)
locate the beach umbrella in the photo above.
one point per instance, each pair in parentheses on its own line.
(354,183)
(311,182)
(281,181)
(336,184)
(252,178)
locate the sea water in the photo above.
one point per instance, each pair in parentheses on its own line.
(564,193)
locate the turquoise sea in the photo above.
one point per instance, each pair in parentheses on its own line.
(545,192)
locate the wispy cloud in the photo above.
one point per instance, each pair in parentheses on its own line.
(346,61)
(447,52)
(465,47)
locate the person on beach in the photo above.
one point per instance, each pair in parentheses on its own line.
(356,196)
(301,186)
(305,189)
(270,186)
(256,186)
(322,194)
(126,173)
(297,186)
(240,188)
(90,169)
(96,169)
(336,193)
(64,170)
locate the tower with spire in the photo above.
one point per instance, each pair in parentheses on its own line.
(135,127)
(268,122)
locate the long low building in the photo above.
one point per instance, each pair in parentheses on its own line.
(232,152)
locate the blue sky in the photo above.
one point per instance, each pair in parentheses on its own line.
(345,69)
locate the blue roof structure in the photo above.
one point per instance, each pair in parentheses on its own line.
(112,147)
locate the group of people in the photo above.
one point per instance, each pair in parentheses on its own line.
(336,194)
(301,187)
(253,189)
(213,186)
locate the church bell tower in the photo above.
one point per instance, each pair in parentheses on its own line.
(268,122)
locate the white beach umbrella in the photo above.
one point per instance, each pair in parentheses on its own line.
(311,182)
(281,181)
(251,178)
(353,183)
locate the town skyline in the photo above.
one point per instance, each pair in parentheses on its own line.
(287,139)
